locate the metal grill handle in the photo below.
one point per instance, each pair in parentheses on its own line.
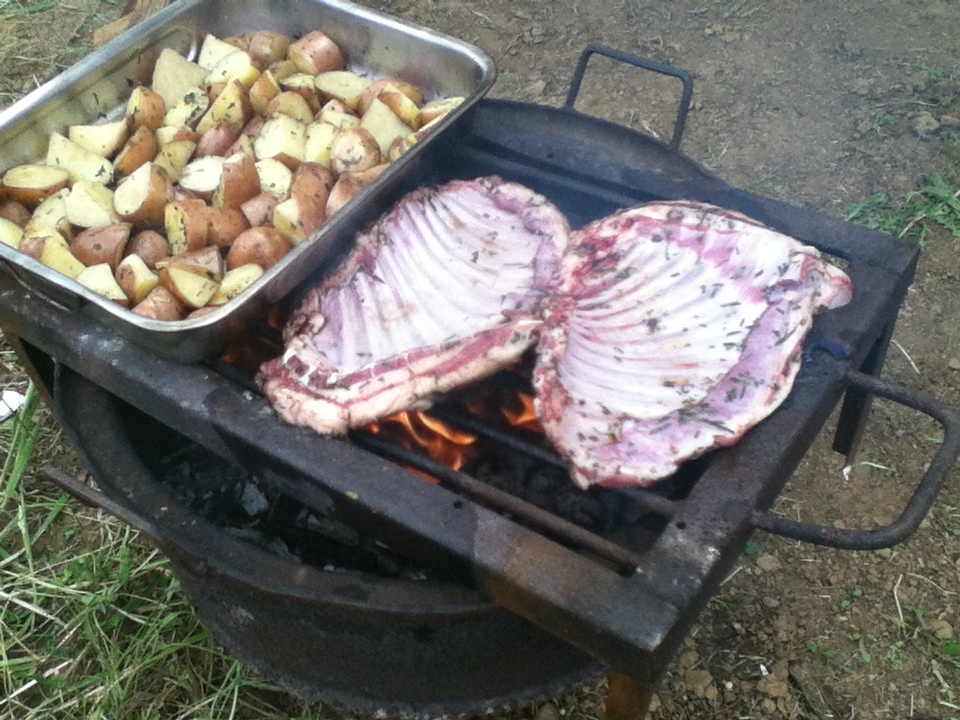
(920,501)
(683,106)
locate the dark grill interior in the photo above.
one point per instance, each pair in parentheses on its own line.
(246,507)
(512,472)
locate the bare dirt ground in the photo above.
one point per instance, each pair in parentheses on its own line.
(823,104)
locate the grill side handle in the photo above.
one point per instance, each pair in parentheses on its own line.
(683,106)
(920,501)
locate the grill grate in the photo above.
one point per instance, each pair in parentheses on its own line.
(627,604)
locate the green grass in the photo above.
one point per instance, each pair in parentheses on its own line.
(10,10)
(92,622)
(934,203)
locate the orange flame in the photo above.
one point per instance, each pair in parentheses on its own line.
(518,411)
(421,432)
(416,430)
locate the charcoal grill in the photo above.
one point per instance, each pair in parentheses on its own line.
(529,602)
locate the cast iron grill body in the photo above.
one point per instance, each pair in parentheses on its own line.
(629,608)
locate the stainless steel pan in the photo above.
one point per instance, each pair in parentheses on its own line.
(97,87)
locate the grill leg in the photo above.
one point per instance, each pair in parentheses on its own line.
(856,403)
(37,365)
(627,697)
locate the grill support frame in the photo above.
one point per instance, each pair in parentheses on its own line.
(571,597)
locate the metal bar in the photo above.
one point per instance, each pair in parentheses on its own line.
(649,501)
(920,501)
(857,401)
(683,106)
(507,440)
(96,499)
(623,560)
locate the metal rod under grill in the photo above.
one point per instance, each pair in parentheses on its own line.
(621,559)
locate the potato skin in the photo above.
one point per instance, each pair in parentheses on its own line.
(354,150)
(30,184)
(135,278)
(104,244)
(142,197)
(160,304)
(267,46)
(224,225)
(141,147)
(262,246)
(258,210)
(146,108)
(216,141)
(239,182)
(313,178)
(348,185)
(14,211)
(374,88)
(315,53)
(150,245)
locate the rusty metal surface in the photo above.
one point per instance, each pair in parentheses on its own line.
(632,621)
(627,698)
(857,402)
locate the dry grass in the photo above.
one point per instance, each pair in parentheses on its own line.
(29,58)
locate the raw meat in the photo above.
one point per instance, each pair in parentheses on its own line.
(443,290)
(672,328)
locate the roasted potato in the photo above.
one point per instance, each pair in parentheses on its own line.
(161,304)
(232,159)
(100,279)
(141,147)
(143,196)
(104,139)
(10,232)
(234,282)
(101,245)
(354,149)
(150,246)
(185,223)
(29,184)
(315,53)
(263,246)
(174,75)
(135,278)
(14,211)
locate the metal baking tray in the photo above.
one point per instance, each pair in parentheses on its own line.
(97,88)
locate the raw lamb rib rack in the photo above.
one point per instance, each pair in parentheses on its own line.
(443,290)
(673,328)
